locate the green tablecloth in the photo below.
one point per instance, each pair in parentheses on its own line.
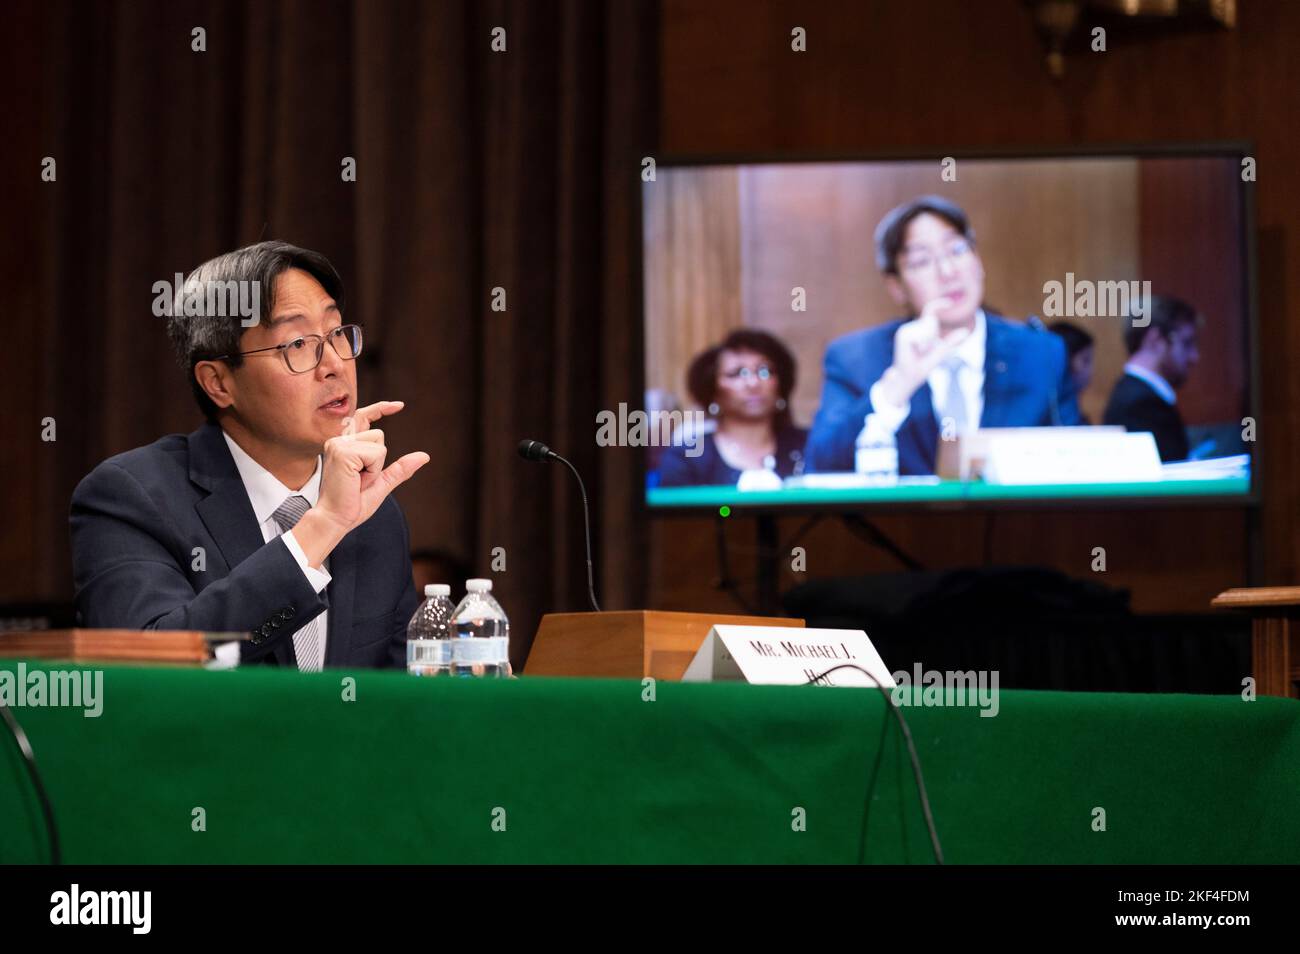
(416,770)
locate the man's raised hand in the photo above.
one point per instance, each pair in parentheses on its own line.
(919,348)
(354,481)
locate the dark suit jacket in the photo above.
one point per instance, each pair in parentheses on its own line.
(1137,406)
(1026,384)
(137,518)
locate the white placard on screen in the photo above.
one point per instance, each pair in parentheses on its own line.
(1064,455)
(786,656)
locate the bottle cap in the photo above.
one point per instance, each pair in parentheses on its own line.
(437,589)
(478,586)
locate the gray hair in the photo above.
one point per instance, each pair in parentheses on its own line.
(207,336)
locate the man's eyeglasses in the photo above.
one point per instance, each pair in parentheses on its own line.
(923,260)
(305,353)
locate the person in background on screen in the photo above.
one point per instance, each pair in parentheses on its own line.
(1079,350)
(949,365)
(744,384)
(1161,355)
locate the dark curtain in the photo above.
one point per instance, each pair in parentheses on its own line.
(476,169)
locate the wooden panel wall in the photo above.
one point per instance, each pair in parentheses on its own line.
(1184,209)
(692,269)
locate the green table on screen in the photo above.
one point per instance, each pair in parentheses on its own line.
(947,491)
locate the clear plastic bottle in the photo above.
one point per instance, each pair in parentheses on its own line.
(875,454)
(431,633)
(482,643)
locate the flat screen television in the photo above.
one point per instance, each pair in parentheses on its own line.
(973,330)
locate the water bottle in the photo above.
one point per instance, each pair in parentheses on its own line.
(760,478)
(876,453)
(431,633)
(482,643)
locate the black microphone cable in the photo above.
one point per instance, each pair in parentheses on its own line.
(586,527)
(537,451)
(911,751)
(29,759)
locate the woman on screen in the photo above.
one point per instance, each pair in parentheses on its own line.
(744,385)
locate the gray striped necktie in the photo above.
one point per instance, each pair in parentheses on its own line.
(306,642)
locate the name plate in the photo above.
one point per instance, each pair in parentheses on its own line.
(1066,455)
(781,656)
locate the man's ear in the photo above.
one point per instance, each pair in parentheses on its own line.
(897,291)
(1154,342)
(216,381)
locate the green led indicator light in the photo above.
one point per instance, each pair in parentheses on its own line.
(724,511)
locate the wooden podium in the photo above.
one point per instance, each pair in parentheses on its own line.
(1274,637)
(630,644)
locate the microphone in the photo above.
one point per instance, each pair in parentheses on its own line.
(537,451)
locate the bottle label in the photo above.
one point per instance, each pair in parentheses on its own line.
(879,462)
(428,652)
(480,650)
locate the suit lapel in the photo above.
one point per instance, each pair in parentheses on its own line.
(226,511)
(342,589)
(923,427)
(995,409)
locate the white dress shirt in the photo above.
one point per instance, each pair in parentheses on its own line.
(1158,384)
(266,494)
(888,418)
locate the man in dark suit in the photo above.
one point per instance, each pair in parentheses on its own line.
(1162,352)
(274,517)
(953,368)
